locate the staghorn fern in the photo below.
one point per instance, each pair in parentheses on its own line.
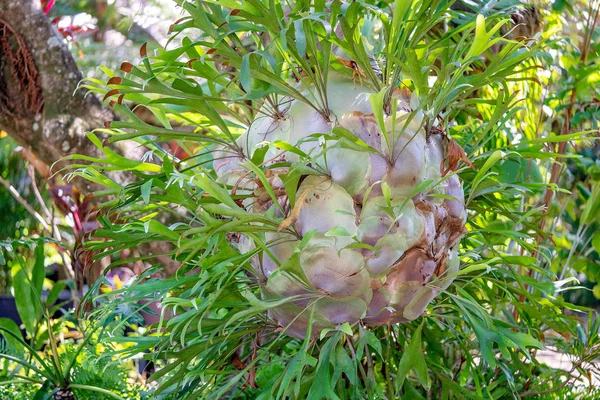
(227,196)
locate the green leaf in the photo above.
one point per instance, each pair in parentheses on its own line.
(521,339)
(288,147)
(458,389)
(401,14)
(300,38)
(337,231)
(55,292)
(24,297)
(343,133)
(155,227)
(346,328)
(387,193)
(14,347)
(592,205)
(301,360)
(256,307)
(414,359)
(45,392)
(414,70)
(489,163)
(377,101)
(596,291)
(342,363)
(366,337)
(322,384)
(483,39)
(106,393)
(39,271)
(559,5)
(245,78)
(215,190)
(145,191)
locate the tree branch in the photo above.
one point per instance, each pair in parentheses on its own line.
(58,127)
(14,192)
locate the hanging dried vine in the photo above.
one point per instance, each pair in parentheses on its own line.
(20,90)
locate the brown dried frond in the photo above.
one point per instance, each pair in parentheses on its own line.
(454,155)
(357,72)
(20,90)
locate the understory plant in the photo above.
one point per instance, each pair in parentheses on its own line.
(355,195)
(52,355)
(62,370)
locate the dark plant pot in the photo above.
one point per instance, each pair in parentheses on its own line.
(153,315)
(8,309)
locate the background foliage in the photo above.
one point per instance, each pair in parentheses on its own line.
(38,235)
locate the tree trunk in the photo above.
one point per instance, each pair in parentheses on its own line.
(41,106)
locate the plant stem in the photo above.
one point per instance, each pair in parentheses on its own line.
(388,375)
(24,203)
(55,357)
(96,389)
(55,231)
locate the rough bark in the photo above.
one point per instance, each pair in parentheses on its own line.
(57,127)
